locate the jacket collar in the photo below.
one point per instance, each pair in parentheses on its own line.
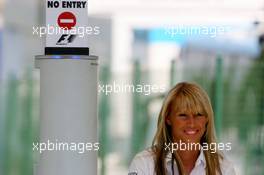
(200,160)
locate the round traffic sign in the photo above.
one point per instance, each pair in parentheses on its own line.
(66,20)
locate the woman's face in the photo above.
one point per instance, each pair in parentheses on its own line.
(187,126)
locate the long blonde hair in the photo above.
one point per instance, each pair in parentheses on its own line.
(192,97)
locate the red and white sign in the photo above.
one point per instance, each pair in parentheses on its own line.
(66,20)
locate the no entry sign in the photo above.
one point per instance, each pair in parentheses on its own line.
(64,18)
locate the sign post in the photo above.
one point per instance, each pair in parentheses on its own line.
(65,19)
(68,94)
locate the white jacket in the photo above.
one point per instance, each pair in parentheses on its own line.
(143,164)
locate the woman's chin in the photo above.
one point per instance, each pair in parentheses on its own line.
(188,140)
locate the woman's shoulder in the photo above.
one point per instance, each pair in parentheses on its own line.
(145,154)
(142,163)
(227,166)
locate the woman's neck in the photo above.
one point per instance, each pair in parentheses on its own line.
(188,159)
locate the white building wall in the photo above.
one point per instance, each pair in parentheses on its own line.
(19,44)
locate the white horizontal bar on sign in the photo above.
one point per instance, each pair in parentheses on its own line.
(66,20)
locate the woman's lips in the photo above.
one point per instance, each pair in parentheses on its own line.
(191,131)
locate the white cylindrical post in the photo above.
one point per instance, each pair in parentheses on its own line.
(68,115)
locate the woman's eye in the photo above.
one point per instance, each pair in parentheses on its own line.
(199,115)
(182,115)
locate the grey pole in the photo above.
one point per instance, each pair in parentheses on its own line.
(68,114)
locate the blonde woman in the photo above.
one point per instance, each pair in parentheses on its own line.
(184,138)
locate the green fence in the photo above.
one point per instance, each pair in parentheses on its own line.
(19,127)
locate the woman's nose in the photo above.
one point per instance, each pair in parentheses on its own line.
(191,120)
